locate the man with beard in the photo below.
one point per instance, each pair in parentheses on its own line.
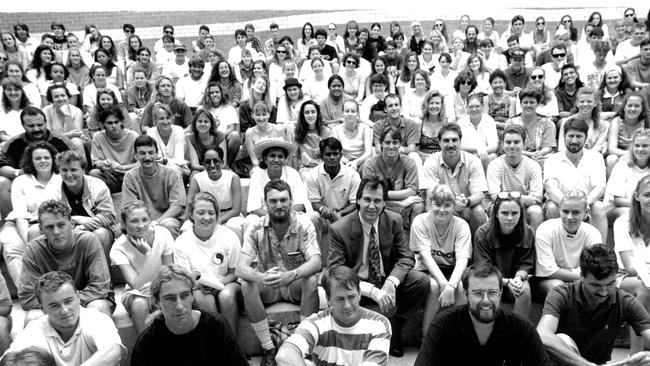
(580,319)
(342,334)
(191,88)
(155,184)
(481,333)
(331,187)
(371,242)
(279,261)
(33,121)
(461,171)
(576,168)
(400,173)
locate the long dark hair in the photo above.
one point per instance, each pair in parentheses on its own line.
(133,52)
(637,222)
(37,63)
(214,75)
(302,127)
(518,234)
(109,65)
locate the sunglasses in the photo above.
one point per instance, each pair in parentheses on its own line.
(169,32)
(348,62)
(506,195)
(541,23)
(215,161)
(331,29)
(128,31)
(437,25)
(465,82)
(629,15)
(558,55)
(566,21)
(280,51)
(4,58)
(536,77)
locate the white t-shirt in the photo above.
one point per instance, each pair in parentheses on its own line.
(556,248)
(213,257)
(445,248)
(624,242)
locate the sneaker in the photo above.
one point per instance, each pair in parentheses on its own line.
(268,357)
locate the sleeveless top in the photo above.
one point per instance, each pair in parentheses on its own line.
(220,188)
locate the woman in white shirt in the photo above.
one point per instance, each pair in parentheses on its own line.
(13,101)
(170,139)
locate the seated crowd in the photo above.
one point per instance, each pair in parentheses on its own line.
(396,174)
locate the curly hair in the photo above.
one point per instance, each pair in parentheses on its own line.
(27,163)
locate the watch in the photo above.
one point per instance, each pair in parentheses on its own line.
(294,276)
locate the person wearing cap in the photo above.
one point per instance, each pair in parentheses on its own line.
(517,75)
(273,153)
(177,68)
(513,44)
(279,258)
(289,104)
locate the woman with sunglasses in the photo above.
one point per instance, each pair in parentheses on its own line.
(224,184)
(138,253)
(627,173)
(588,106)
(613,89)
(275,64)
(540,130)
(632,116)
(440,26)
(567,23)
(353,81)
(204,136)
(541,36)
(464,86)
(508,243)
(629,18)
(488,31)
(443,243)
(631,233)
(547,103)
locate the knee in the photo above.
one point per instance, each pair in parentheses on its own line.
(101,305)
(5,184)
(228,296)
(598,208)
(139,305)
(552,210)
(310,283)
(611,160)
(534,211)
(233,138)
(105,237)
(477,214)
(434,288)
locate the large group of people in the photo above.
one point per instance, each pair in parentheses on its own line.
(444,170)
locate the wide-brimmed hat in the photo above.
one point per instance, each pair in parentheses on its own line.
(262,146)
(291,82)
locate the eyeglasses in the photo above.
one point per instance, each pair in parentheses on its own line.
(536,77)
(558,55)
(629,15)
(505,195)
(566,21)
(216,162)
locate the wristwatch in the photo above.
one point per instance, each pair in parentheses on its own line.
(294,275)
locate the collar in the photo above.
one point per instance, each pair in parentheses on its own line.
(461,160)
(36,183)
(366,225)
(293,222)
(607,94)
(400,120)
(322,171)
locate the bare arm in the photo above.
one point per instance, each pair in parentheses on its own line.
(108,356)
(553,191)
(289,355)
(555,346)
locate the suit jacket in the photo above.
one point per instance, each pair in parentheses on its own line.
(346,244)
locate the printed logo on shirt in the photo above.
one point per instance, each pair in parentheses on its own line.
(435,252)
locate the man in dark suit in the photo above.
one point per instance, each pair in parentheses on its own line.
(370,240)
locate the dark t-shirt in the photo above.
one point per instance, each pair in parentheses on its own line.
(13,149)
(451,340)
(518,80)
(210,343)
(594,330)
(329,53)
(565,101)
(75,202)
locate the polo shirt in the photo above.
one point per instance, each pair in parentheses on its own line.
(589,173)
(467,178)
(407,128)
(94,331)
(517,79)
(334,193)
(594,330)
(556,248)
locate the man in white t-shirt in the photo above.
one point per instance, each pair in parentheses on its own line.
(191,88)
(71,334)
(560,241)
(576,168)
(177,68)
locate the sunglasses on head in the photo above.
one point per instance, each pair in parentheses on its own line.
(642,132)
(536,77)
(505,195)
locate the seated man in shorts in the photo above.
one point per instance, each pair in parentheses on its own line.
(279,261)
(580,319)
(70,333)
(344,333)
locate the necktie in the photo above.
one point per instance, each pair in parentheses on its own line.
(374,266)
